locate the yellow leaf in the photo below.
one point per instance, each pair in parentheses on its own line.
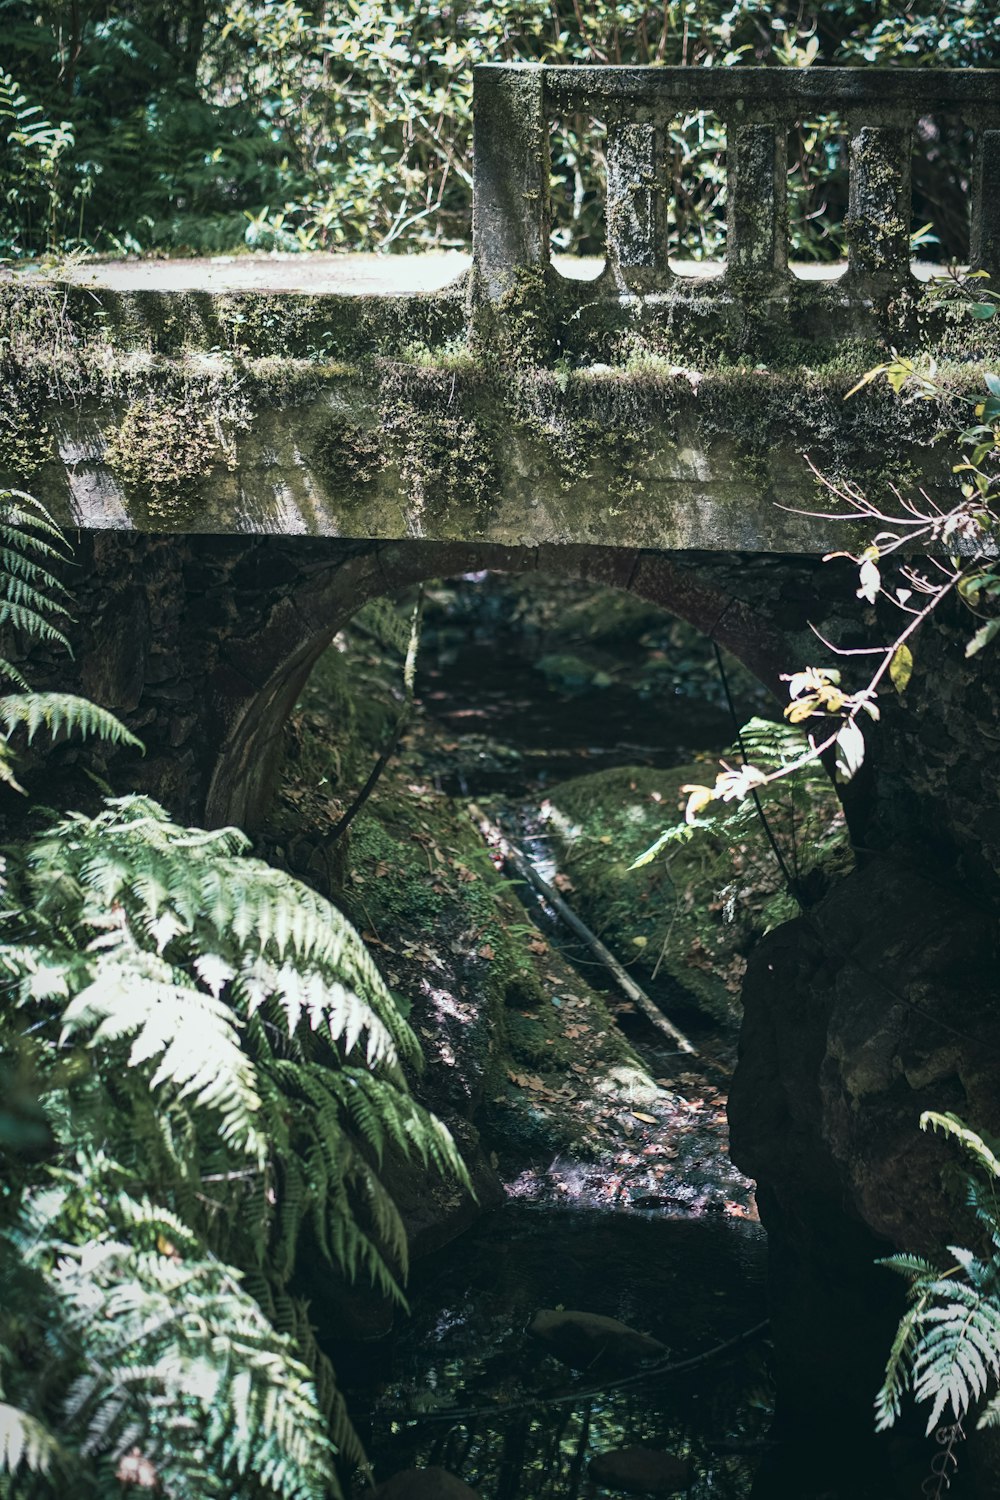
(901,667)
(646,1119)
(698,797)
(832,699)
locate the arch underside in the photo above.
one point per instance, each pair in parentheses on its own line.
(298,630)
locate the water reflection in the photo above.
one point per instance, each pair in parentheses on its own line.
(464,1386)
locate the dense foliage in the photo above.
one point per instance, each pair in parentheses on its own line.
(202,1073)
(139,125)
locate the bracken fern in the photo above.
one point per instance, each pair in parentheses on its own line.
(947,1346)
(208,1063)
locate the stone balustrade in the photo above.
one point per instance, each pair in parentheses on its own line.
(516,104)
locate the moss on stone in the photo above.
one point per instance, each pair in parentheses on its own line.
(161,452)
(347,455)
(652,422)
(26,443)
(517,328)
(444,459)
(690,916)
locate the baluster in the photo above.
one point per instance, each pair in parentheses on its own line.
(511,215)
(986,206)
(636,209)
(879,209)
(757,198)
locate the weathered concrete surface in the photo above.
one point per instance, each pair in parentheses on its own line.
(354,274)
(197,397)
(315,272)
(516,103)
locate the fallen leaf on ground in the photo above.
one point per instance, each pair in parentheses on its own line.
(527,1081)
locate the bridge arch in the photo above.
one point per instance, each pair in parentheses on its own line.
(288,644)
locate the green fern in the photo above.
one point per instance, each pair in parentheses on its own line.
(30,593)
(947,1346)
(24,1440)
(216,1064)
(62,714)
(382,620)
(770,745)
(33,605)
(245,1051)
(176,1359)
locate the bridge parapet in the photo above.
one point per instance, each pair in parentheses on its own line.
(516,104)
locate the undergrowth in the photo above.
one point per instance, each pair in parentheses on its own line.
(201,1066)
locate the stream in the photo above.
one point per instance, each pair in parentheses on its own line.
(692,1282)
(461,1383)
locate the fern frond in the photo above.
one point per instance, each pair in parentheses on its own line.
(773,743)
(21,593)
(381,620)
(990,1414)
(26,525)
(910,1265)
(958,1353)
(35,626)
(25,1440)
(62,714)
(175,1349)
(245,1060)
(898,1370)
(7,777)
(971,1140)
(680,833)
(194,1036)
(947,1346)
(12,674)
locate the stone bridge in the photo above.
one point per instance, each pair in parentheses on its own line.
(247,450)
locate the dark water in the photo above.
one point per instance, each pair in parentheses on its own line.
(529,700)
(692,1283)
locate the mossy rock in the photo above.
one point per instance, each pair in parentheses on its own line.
(692,914)
(25,440)
(571,673)
(657,917)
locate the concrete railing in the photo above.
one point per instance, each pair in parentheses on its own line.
(515,105)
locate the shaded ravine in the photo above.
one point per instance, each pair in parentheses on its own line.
(661,1235)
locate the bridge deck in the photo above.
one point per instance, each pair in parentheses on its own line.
(349,275)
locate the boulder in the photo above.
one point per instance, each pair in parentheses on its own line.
(587,1340)
(425,1484)
(641,1471)
(876,1005)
